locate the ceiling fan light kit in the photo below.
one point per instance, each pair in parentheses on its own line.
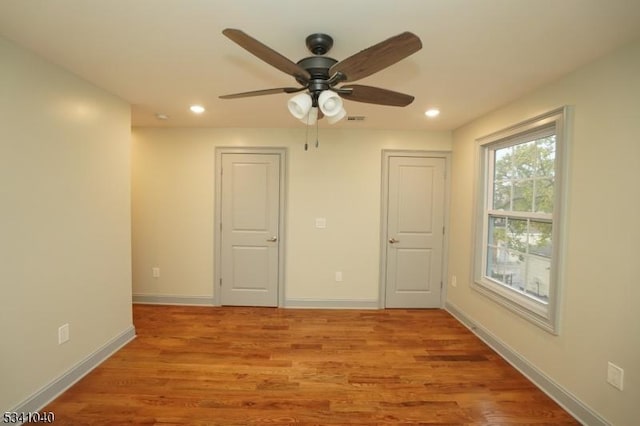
(320,76)
(300,105)
(330,103)
(339,116)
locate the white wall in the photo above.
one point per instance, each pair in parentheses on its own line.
(64,221)
(600,314)
(173,208)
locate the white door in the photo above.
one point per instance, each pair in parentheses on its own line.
(250,243)
(415,228)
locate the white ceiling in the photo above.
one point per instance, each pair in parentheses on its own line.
(164,55)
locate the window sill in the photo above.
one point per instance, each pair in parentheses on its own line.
(532,311)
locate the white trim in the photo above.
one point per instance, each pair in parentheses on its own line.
(331,304)
(542,121)
(582,412)
(282,237)
(63,382)
(386,154)
(160,299)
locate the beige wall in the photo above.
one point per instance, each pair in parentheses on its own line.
(173,207)
(64,221)
(600,315)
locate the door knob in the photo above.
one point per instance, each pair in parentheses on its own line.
(393,241)
(272,239)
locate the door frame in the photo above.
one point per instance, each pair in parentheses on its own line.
(384,210)
(217,240)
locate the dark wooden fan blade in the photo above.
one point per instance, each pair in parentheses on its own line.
(267,54)
(263,92)
(374,95)
(377,57)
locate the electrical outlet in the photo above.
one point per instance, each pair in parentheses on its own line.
(615,376)
(321,222)
(338,276)
(155,271)
(63,334)
(454,281)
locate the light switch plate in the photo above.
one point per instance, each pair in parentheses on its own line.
(615,376)
(321,222)
(63,334)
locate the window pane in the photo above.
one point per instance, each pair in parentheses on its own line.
(502,195)
(546,156)
(540,242)
(517,235)
(544,195)
(538,273)
(514,270)
(502,164)
(506,266)
(495,263)
(524,160)
(497,231)
(523,196)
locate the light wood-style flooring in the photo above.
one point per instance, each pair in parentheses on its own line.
(266,366)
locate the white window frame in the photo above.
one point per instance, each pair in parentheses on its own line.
(544,315)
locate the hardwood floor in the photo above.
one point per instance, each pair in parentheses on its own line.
(246,366)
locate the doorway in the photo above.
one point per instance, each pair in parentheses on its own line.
(249,228)
(414,200)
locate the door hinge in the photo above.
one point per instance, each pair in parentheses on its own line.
(441,285)
(443,230)
(220,282)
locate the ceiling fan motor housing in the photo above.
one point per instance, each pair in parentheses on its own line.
(318,67)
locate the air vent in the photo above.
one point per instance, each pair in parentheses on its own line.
(356,118)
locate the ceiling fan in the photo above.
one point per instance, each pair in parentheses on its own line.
(321,76)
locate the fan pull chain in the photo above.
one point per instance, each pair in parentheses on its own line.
(317,141)
(306,135)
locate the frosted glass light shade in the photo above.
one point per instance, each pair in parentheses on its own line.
(330,103)
(339,116)
(299,105)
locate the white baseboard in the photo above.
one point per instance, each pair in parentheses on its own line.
(331,303)
(54,389)
(148,299)
(563,397)
(289,303)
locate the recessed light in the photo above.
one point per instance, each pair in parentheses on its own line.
(432,112)
(197,109)
(162,117)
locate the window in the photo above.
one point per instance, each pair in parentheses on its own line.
(518,236)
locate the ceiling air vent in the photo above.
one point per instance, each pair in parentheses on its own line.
(356,118)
